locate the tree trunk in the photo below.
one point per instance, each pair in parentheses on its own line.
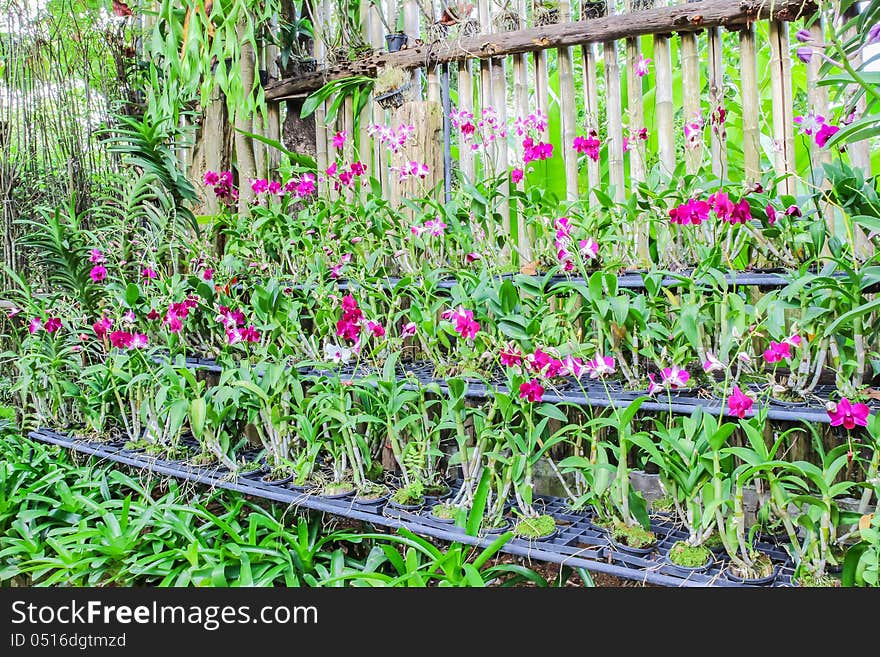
(244,145)
(298,135)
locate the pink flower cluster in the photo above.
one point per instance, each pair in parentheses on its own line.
(177,312)
(588,145)
(531,391)
(222,184)
(50,325)
(695,211)
(641,135)
(534,122)
(126,340)
(434,227)
(393,139)
(233,322)
(463,321)
(478,134)
(348,327)
(533,150)
(773,214)
(672,378)
(588,248)
(778,351)
(845,413)
(411,170)
(739,403)
(815,125)
(345,177)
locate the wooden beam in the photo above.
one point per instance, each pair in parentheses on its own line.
(691,17)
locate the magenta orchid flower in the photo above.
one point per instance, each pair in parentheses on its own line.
(376,329)
(465,325)
(739,403)
(772,214)
(642,66)
(845,413)
(98,273)
(531,391)
(52,324)
(516,176)
(674,377)
(538,360)
(825,133)
(600,366)
(260,185)
(712,364)
(408,329)
(96,257)
(102,326)
(511,356)
(589,248)
(588,145)
(472,257)
(149,274)
(339,139)
(435,227)
(35,325)
(693,211)
(653,386)
(777,351)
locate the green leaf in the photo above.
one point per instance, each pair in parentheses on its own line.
(132,294)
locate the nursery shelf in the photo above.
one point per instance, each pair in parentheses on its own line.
(593,395)
(577,542)
(632,280)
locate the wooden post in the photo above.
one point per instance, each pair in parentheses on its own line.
(783,123)
(521,107)
(485,64)
(465,102)
(379,115)
(568,111)
(273,116)
(663,106)
(716,104)
(614,113)
(591,105)
(750,104)
(423,146)
(499,97)
(859,152)
(690,71)
(635,109)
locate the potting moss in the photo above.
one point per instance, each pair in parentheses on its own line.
(633,535)
(535,527)
(445,511)
(338,488)
(762,566)
(663,504)
(689,556)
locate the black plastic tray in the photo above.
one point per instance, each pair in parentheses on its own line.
(578,543)
(594,394)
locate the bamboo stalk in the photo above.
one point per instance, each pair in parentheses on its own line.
(499,93)
(521,108)
(860,151)
(485,64)
(465,102)
(568,111)
(379,115)
(635,107)
(591,106)
(690,80)
(273,113)
(750,105)
(716,105)
(663,106)
(614,113)
(783,125)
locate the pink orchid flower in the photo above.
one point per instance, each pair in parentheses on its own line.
(847,414)
(98,273)
(531,391)
(674,377)
(642,66)
(739,403)
(600,366)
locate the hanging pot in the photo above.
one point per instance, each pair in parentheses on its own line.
(396,41)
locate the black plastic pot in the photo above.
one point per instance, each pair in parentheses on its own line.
(621,547)
(396,41)
(391,100)
(404,507)
(752,581)
(338,496)
(685,571)
(265,479)
(505,526)
(259,473)
(445,521)
(590,10)
(369,505)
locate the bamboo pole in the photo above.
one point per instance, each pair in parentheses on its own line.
(568,111)
(690,81)
(379,115)
(663,106)
(614,114)
(273,115)
(485,64)
(465,102)
(635,107)
(521,108)
(591,106)
(499,97)
(783,124)
(750,105)
(859,152)
(817,97)
(716,104)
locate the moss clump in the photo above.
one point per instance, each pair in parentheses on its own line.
(633,535)
(371,492)
(535,527)
(389,79)
(338,488)
(714,541)
(137,444)
(444,511)
(689,556)
(665,504)
(821,581)
(410,494)
(436,489)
